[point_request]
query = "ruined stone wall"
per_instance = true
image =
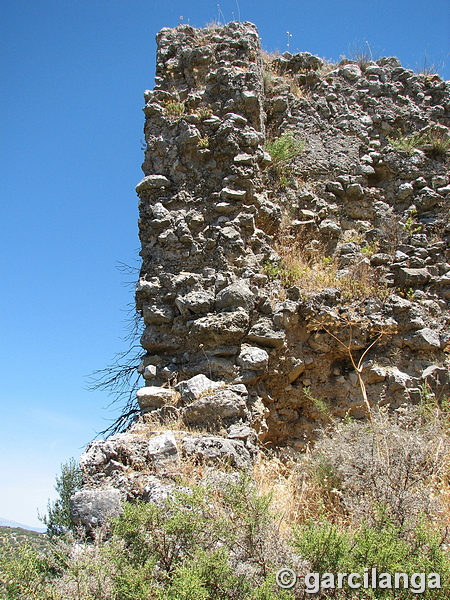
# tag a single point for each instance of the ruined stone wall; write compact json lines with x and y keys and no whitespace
{"x":274,"y":288}
{"x":216,"y":214}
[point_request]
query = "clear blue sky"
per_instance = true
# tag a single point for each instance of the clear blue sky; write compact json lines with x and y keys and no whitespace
{"x":72,"y":77}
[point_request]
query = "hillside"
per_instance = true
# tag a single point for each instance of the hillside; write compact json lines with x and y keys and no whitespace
{"x":17,"y":536}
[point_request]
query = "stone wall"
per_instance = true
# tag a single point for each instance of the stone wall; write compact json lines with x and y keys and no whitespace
{"x":215,"y":214}
{"x":277,"y":289}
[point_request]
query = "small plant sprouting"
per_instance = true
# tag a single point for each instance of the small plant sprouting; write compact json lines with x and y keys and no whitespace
{"x":174,"y":108}
{"x":435,"y":142}
{"x":410,"y":226}
{"x":283,"y":149}
{"x":409,"y":294}
{"x":405,"y":143}
{"x":204,"y":112}
{"x":271,"y":270}
{"x":320,"y":405}
{"x":268,"y":80}
{"x":203,"y":142}
{"x":371,"y":248}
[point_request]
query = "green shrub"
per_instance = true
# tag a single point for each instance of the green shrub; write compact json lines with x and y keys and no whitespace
{"x":330,"y":548}
{"x":174,"y":108}
{"x":24,"y":573}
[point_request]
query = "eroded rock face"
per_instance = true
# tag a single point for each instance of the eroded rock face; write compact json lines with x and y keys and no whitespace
{"x":234,"y":329}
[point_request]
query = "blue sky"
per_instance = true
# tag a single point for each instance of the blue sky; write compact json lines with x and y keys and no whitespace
{"x":72,"y":75}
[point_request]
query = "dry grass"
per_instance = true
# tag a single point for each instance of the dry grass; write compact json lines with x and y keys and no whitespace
{"x":400,"y":459}
{"x":312,"y":271}
{"x":300,"y":491}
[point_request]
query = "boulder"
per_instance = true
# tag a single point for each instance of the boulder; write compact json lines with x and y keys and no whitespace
{"x":154,"y":314}
{"x":198,"y":302}
{"x":424,"y":339}
{"x":223,"y":406}
{"x":411,"y":277}
{"x":218,"y":329}
{"x":162,"y":449}
{"x":264,"y":334}
{"x":253,"y":358}
{"x":235,"y":295}
{"x":152,"y":182}
{"x":92,"y":508}
{"x":350,"y":72}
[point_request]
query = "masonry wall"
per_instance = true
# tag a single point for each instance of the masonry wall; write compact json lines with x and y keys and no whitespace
{"x":216,"y":215}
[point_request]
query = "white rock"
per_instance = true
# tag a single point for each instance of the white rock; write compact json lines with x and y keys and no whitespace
{"x":350,"y":72}
{"x":152,"y":182}
{"x":192,"y":389}
{"x":253,"y":358}
{"x":152,"y":396}
{"x":163,"y":448}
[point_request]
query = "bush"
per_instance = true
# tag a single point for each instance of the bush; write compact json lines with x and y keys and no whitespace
{"x":175,"y":109}
{"x":330,"y":548}
{"x":435,"y":141}
{"x":24,"y":573}
{"x":219,"y":544}
{"x":395,"y":462}
{"x":367,"y":496}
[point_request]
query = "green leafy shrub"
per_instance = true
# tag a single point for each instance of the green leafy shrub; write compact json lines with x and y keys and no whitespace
{"x":331,"y":548}
{"x":201,"y":543}
{"x":24,"y":574}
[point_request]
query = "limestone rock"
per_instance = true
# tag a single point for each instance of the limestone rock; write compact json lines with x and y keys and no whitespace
{"x":253,"y":358}
{"x":152,"y":182}
{"x":217,"y":329}
{"x":163,"y":449}
{"x":412,"y":277}
{"x":264,"y":334}
{"x":91,"y":508}
{"x":194,"y":388}
{"x":217,"y":451}
{"x":424,"y":339}
{"x":196,"y":302}
{"x":222,"y":406}
{"x":350,"y":72}
{"x":154,"y":397}
{"x":154,"y":314}
{"x":235,"y":295}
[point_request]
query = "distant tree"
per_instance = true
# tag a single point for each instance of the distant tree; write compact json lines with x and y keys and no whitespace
{"x":57,"y":518}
